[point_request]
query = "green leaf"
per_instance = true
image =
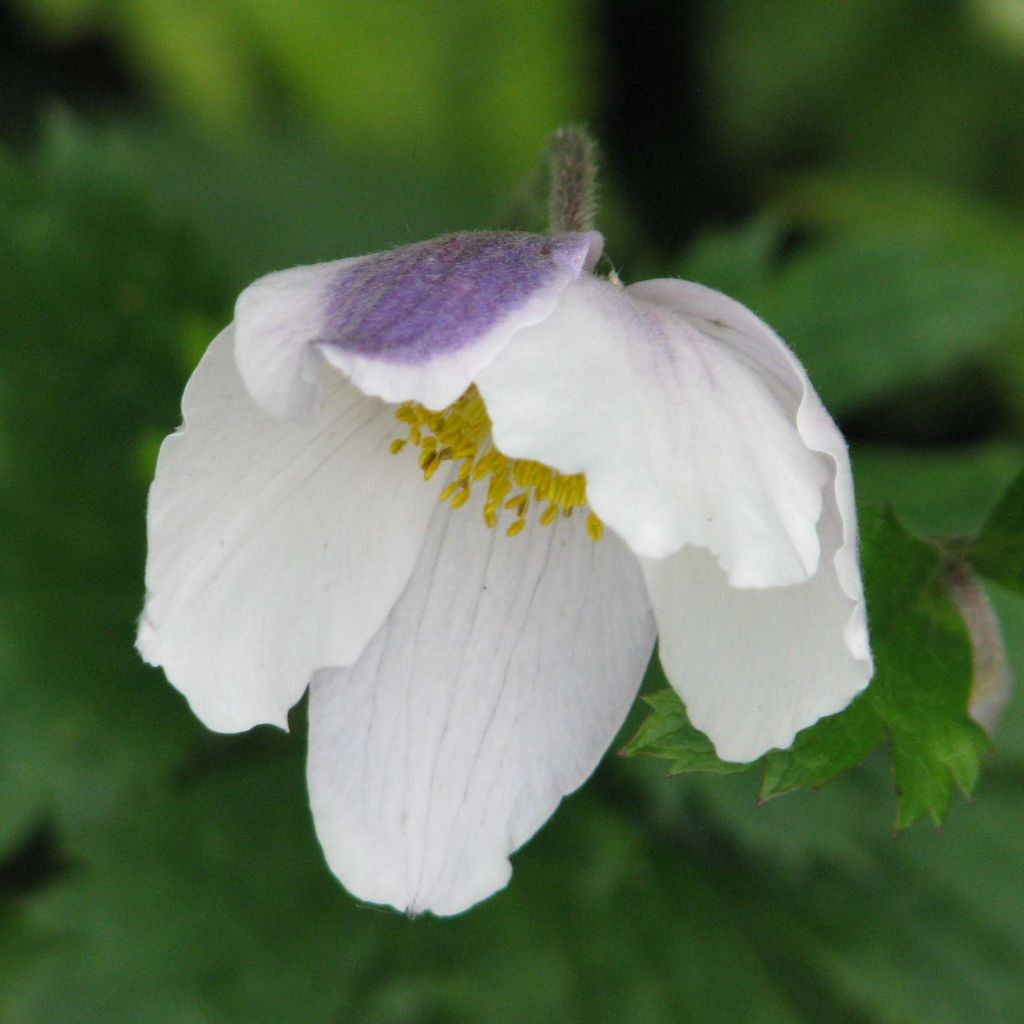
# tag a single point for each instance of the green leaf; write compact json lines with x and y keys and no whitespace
{"x":823,"y":751}
{"x":923,"y":670}
{"x":998,"y":550}
{"x":667,"y":733}
{"x":738,"y":261}
{"x":881,"y":205}
{"x":917,"y":699}
{"x":899,"y":310}
{"x":936,"y":492}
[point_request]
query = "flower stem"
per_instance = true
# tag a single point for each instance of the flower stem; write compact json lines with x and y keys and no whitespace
{"x":573,"y":165}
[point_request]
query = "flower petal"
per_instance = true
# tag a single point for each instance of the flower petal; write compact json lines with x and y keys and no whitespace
{"x":756,"y":666}
{"x":751,"y":339}
{"x":416,"y":323}
{"x":276,"y":319}
{"x":275,"y":548}
{"x":681,"y":438}
{"x":491,"y":692}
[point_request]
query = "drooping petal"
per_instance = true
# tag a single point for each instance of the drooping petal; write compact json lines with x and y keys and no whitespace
{"x":491,"y":692}
{"x":779,"y":369}
{"x":756,"y":666}
{"x":275,"y":548}
{"x":682,"y":440}
{"x":416,"y":323}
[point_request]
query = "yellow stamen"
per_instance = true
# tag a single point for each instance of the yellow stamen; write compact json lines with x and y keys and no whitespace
{"x":449,"y":490}
{"x":519,"y":504}
{"x":462,"y":433}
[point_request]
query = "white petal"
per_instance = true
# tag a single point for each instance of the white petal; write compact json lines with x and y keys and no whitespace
{"x":276,"y":318}
{"x":752,"y":339}
{"x":275,"y":548}
{"x":681,"y":439}
{"x":756,"y":666}
{"x":491,"y":691}
{"x":416,"y":323}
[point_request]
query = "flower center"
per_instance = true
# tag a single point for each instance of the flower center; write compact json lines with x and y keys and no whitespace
{"x":462,"y":433}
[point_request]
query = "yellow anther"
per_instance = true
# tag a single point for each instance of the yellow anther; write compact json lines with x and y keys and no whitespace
{"x":499,"y":488}
{"x":484,"y":465}
{"x":462,"y":433}
{"x":520,"y":503}
{"x":449,"y":490}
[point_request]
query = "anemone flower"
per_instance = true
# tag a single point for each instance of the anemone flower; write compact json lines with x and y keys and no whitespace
{"x":611,"y":462}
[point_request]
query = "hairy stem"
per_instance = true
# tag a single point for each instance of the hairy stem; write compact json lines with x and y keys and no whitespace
{"x":573,"y":166}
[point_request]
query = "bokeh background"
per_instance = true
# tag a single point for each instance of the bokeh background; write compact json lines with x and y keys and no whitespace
{"x":854,"y":171}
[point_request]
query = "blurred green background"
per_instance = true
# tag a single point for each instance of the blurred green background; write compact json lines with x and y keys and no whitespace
{"x":854,"y":171}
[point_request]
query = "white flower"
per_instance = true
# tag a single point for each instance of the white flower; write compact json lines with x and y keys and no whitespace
{"x":462,"y":680}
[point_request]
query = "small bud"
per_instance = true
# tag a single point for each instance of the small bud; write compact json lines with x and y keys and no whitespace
{"x":991,"y":680}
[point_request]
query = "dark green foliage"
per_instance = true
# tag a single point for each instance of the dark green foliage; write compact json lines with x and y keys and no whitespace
{"x":998,"y":551}
{"x":99,"y":293}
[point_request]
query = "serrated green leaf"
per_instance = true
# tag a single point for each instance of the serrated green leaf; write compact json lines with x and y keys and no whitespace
{"x":823,"y":751}
{"x":923,"y":670}
{"x":668,"y":734}
{"x":998,"y":551}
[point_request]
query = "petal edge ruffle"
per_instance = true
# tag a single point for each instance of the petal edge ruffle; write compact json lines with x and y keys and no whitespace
{"x":680,"y":440}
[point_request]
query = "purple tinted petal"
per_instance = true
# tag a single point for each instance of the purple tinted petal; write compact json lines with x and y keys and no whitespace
{"x":412,"y":304}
